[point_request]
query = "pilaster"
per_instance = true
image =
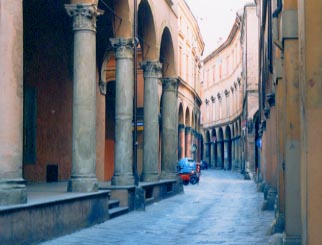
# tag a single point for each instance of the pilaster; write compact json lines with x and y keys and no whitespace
{"x":12,"y":186}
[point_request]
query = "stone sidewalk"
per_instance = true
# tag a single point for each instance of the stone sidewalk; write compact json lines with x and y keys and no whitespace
{"x":222,"y":209}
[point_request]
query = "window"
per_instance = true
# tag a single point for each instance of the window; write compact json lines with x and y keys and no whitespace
{"x":29,"y":124}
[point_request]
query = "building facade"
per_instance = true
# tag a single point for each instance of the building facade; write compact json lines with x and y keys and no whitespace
{"x":289,"y":120}
{"x":97,"y":93}
{"x":71,"y":71}
{"x":222,"y":96}
{"x":249,"y":43}
{"x":190,"y":49}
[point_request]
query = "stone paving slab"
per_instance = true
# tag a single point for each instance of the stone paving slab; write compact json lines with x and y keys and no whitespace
{"x":222,"y":209}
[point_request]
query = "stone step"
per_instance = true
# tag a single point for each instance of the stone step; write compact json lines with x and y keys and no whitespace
{"x":113,"y":203}
{"x":118,"y":211}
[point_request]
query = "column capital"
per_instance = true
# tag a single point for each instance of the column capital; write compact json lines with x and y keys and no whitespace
{"x":152,"y":69}
{"x":84,"y":16}
{"x":170,"y":84}
{"x":123,"y":47}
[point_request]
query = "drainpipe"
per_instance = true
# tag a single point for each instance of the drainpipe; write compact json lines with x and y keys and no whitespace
{"x":278,"y":10}
{"x":135,"y":143}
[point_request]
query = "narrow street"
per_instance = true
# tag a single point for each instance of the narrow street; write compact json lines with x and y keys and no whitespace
{"x":222,"y":209}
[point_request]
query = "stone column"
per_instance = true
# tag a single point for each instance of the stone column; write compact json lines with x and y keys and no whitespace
{"x":212,"y":162}
{"x":83,"y":177}
{"x":193,"y":144}
{"x":219,"y":154}
{"x":12,"y":185}
{"x":152,"y":74}
{"x":123,"y":173}
{"x":181,"y":131}
{"x":226,"y":152}
{"x":169,"y":127}
{"x":188,"y":141}
{"x":206,"y":152}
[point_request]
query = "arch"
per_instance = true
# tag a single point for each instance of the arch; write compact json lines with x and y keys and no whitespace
{"x":196,"y":122}
{"x":123,"y":21}
{"x":109,"y":129}
{"x":187,"y":118}
{"x":167,"y":57}
{"x":228,"y":148}
{"x":213,"y":162}
{"x":146,"y":31}
{"x":181,"y":115}
{"x":207,"y":147}
{"x":193,"y":122}
{"x":220,"y":149}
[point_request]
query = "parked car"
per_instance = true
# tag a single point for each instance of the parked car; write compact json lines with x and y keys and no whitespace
{"x":203,"y":165}
{"x":188,"y":170}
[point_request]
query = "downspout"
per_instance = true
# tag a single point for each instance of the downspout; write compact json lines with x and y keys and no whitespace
{"x":135,"y":143}
{"x":279,"y":8}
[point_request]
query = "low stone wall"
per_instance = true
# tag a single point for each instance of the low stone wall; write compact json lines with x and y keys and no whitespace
{"x":137,"y":197}
{"x":36,"y":222}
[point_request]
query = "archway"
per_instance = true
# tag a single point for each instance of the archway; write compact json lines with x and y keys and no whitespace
{"x":228,"y":148}
{"x":220,"y":150}
{"x":146,"y":32}
{"x":48,"y":91}
{"x":214,"y":153}
{"x":109,"y":130}
{"x":188,"y":138}
{"x":169,"y":155}
{"x":167,"y":54}
{"x":181,"y":133}
{"x":207,"y":147}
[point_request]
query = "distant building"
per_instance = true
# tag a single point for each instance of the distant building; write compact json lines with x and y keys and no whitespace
{"x":230,"y":96}
{"x":190,"y":49}
{"x":223,"y":90}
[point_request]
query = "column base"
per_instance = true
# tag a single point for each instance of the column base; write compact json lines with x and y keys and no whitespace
{"x":150,"y":177}
{"x":13,"y":192}
{"x":260,"y":186}
{"x":278,"y":223}
{"x":269,"y":202}
{"x":121,"y":180}
{"x":82,"y":184}
{"x":291,"y":240}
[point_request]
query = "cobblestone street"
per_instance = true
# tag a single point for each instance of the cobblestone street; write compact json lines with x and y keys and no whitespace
{"x":222,"y":209}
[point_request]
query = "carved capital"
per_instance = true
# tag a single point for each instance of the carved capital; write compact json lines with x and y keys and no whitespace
{"x":170,"y":84}
{"x":84,"y":16}
{"x":152,"y":69}
{"x":123,"y":47}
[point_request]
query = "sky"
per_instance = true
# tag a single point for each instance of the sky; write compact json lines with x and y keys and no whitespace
{"x":215,"y":19}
